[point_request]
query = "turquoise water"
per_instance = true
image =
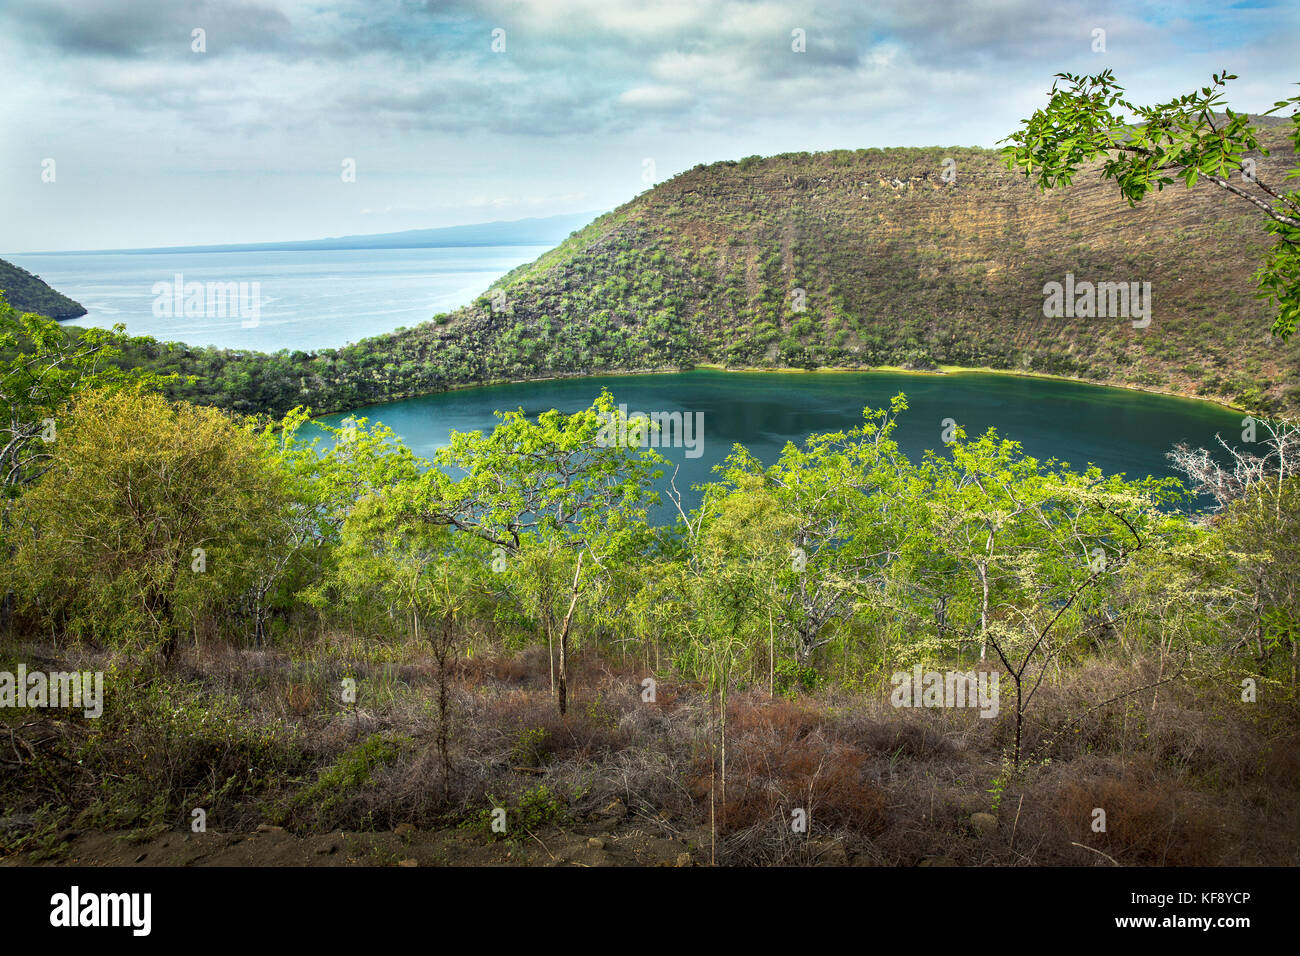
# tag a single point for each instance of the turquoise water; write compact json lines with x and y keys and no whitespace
{"x":1119,"y":430}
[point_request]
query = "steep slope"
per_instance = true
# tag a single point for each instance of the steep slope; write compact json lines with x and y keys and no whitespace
{"x":29,"y":293}
{"x":892,"y":264}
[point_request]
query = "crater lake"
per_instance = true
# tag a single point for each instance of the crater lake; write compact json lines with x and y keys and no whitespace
{"x":1119,"y":430}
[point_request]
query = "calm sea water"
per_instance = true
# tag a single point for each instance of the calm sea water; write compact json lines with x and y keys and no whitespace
{"x":1116,"y":429}
{"x":308,"y":300}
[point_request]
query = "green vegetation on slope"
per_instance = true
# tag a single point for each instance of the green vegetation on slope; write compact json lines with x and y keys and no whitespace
{"x":896,"y":265}
{"x":29,"y":293}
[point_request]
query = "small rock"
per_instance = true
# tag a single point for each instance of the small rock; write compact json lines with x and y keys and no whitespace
{"x":683,"y":859}
{"x":830,"y":853}
{"x":409,"y":862}
{"x":596,"y":843}
{"x":616,"y":812}
{"x":984,"y":822}
{"x":404,"y":829}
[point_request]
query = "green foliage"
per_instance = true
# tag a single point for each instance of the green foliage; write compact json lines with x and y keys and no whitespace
{"x":349,"y":773}
{"x":842,"y":557}
{"x":157,"y":511}
{"x":160,"y":749}
{"x":792,"y":679}
{"x":529,"y":747}
{"x":535,"y":809}
{"x":45,"y":842}
{"x":42,"y":368}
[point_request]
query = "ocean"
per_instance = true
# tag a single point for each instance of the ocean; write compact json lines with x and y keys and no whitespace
{"x":290,"y":299}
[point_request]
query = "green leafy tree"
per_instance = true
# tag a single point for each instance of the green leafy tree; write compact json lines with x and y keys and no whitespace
{"x":712,"y":594}
{"x":390,"y":557}
{"x":555,"y":498}
{"x":42,"y":367}
{"x":1029,"y":552}
{"x":836,"y":507}
{"x":158,"y":513}
{"x":1260,"y":537}
{"x":325,"y":476}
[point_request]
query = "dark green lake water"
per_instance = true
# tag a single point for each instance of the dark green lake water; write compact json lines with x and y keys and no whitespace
{"x":1118,"y":430}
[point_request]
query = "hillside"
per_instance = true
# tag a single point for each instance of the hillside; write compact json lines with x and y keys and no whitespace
{"x":897,"y":267}
{"x":29,"y":293}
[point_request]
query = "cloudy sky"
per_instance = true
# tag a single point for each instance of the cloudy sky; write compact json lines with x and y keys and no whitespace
{"x":154,"y":143}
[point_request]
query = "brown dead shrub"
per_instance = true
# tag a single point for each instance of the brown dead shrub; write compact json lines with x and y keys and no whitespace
{"x":780,"y":758}
{"x":300,"y":699}
{"x":1282,"y":761}
{"x":1148,"y":821}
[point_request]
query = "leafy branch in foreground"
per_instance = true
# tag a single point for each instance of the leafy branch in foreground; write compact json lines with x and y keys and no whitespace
{"x":1147,"y":147}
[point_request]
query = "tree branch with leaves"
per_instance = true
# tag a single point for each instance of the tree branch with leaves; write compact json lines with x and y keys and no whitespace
{"x":1145,"y":148}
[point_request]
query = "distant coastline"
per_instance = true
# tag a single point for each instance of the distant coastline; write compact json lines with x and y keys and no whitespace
{"x":548,"y":230}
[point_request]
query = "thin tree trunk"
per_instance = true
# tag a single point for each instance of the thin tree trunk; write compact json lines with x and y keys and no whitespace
{"x":984,"y":611}
{"x":1293,"y":663}
{"x":722,"y":709}
{"x":1160,"y":673}
{"x":1020,"y":722}
{"x":563,"y":688}
{"x":771,"y":657}
{"x":444,"y":651}
{"x":164,"y":617}
{"x":713,"y":805}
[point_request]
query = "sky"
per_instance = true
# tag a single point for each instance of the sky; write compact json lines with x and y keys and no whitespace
{"x":462,"y":111}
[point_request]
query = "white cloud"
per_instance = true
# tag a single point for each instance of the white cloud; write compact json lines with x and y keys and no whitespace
{"x":654,"y":97}
{"x":158,"y":145}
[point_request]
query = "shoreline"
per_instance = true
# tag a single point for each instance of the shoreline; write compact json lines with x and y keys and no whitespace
{"x":826,"y":369}
{"x":967,"y":369}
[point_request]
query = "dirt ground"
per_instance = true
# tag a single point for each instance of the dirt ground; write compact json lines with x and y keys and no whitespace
{"x":612,"y":840}
{"x":274,"y":847}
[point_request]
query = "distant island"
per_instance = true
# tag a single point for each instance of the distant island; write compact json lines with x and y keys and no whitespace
{"x":543,"y":231}
{"x":29,"y":293}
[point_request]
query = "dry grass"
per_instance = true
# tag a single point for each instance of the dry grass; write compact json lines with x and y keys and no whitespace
{"x":1191,"y":778}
